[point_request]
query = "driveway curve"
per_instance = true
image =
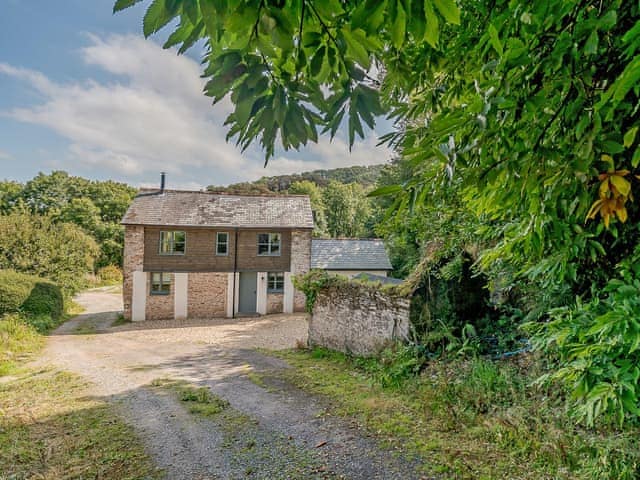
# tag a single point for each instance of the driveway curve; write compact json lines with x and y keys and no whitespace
{"x":278,"y":433}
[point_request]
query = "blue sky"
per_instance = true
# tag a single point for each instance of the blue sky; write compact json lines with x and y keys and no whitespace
{"x":81,"y":90}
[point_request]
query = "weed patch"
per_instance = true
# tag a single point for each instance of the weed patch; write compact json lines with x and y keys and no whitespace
{"x":198,"y":400}
{"x":468,"y":418}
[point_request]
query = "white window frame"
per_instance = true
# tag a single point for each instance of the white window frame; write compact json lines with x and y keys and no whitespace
{"x":270,"y":243}
{"x":165,"y":279}
{"x":273,"y":279}
{"x":172,"y":242}
{"x":226,"y":243}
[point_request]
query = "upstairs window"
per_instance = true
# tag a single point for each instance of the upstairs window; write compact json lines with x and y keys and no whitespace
{"x":275,"y":282}
{"x":172,"y":243}
{"x":160,"y":283}
{"x":222,"y":243}
{"x":269,"y":244}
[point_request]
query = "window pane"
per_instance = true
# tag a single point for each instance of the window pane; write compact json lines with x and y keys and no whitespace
{"x":155,"y":277}
{"x":275,"y":248}
{"x":263,"y":249}
{"x":263,"y":238}
{"x":275,"y":238}
{"x":164,"y":242}
{"x":179,"y":237}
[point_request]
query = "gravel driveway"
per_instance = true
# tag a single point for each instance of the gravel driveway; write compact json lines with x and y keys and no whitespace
{"x":285,"y":433}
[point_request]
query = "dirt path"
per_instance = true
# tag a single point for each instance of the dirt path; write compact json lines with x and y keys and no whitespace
{"x":277,"y":432}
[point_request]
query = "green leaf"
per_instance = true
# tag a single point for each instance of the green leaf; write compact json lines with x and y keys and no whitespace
{"x":190,"y":8}
{"x":123,"y":4}
{"x":355,"y":48}
{"x":494,"y":39}
{"x":398,"y":29}
{"x":432,"y":29}
{"x":157,"y":16}
{"x":386,"y":190}
{"x":449,"y":10}
{"x":635,"y":161}
{"x":630,"y":136}
{"x":591,"y":45}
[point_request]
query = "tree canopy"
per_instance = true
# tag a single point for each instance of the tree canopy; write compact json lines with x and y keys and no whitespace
{"x":529,"y":109}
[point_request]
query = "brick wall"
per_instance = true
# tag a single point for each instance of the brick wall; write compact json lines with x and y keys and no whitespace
{"x":207,"y":295}
{"x":275,"y":302}
{"x":300,"y":261}
{"x":132,"y":260}
{"x":358,"y":319}
{"x":160,"y":307}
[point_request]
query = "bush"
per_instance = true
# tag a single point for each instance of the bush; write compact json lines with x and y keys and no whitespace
{"x":110,"y":275}
{"x":29,"y":294}
{"x":37,"y":245}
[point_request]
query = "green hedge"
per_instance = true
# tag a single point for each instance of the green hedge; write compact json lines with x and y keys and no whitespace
{"x":29,"y":294}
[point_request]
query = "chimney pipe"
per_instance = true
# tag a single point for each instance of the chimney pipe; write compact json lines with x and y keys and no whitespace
{"x":163,"y":176}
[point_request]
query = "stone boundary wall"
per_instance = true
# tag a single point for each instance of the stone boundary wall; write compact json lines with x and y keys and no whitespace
{"x":358,"y":319}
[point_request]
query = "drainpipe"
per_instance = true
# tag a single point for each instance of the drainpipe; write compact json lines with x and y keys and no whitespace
{"x":235,"y":268}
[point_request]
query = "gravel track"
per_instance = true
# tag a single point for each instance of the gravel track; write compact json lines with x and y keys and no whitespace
{"x":270,"y":432}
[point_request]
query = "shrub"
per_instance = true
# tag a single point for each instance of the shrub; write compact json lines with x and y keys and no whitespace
{"x":597,"y":344}
{"x":37,"y":245}
{"x":29,"y":294}
{"x":110,"y":275}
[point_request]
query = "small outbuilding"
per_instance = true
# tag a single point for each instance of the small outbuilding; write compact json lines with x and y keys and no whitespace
{"x":350,"y":256}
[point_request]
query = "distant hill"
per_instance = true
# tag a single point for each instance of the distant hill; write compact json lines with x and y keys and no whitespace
{"x":366,"y":176}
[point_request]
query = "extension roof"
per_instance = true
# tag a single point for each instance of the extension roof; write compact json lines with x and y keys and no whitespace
{"x":180,"y":208}
{"x":349,"y":254}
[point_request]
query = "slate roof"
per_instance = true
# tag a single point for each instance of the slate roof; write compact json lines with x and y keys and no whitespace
{"x":349,"y":254}
{"x":203,"y":209}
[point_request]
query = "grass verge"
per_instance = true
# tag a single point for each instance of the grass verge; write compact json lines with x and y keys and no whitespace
{"x":471,"y":419}
{"x":50,"y":429}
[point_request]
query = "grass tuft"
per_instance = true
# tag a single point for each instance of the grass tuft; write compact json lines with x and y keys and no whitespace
{"x":467,"y":419}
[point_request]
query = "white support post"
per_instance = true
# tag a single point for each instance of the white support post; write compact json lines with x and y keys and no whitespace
{"x":236,"y":299}
{"x":261,"y":293}
{"x":139,"y":296}
{"x":287,"y":305}
{"x":181,"y":295}
{"x":229,"y":302}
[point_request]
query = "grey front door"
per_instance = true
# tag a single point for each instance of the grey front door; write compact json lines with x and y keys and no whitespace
{"x":248,"y":283}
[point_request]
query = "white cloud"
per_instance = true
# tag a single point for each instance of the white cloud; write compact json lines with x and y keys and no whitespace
{"x":5,"y":156}
{"x":153,"y":116}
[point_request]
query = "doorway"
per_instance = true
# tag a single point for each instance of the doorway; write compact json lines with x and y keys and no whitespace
{"x":247,"y":302}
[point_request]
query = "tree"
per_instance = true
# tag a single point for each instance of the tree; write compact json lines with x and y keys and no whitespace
{"x":9,"y":195}
{"x":347,"y":209}
{"x":532,"y":105}
{"x":306,"y":187}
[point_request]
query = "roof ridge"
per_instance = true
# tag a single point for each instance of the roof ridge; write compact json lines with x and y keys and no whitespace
{"x":225,"y":194}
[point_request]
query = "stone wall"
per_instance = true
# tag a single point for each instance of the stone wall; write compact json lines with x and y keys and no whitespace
{"x":275,"y":302}
{"x":133,"y":259}
{"x":358,"y":319}
{"x":160,"y":307}
{"x":207,"y":295}
{"x":300,"y":262}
